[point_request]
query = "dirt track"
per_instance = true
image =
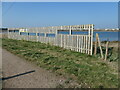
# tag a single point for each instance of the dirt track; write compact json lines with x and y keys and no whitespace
{"x":15,"y":66}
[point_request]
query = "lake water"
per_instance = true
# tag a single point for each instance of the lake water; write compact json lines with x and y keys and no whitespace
{"x":112,"y":36}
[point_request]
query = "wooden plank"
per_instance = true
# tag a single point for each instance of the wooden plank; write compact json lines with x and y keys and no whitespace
{"x":82,"y":44}
{"x":106,"y":53}
{"x":64,"y":41}
{"x":71,"y":39}
{"x":100,"y":46}
{"x":72,"y":43}
{"x":95,"y":49}
{"x":80,"y":41}
{"x":89,"y":36}
{"x":91,"y":39}
{"x":70,"y":30}
{"x":86,"y":44}
{"x":61,"y":40}
{"x":77,"y":44}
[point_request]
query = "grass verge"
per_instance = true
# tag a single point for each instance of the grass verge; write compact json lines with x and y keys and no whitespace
{"x":88,"y":71}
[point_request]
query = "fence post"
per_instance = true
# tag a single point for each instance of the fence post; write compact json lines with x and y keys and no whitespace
{"x":106,"y":54}
{"x":91,"y":38}
{"x":95,"y":49}
{"x":100,"y":46}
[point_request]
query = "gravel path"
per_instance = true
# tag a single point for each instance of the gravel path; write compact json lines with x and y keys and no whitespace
{"x":13,"y":65}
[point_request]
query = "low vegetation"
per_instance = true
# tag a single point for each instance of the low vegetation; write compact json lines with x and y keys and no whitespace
{"x":112,"y":50}
{"x":87,"y":71}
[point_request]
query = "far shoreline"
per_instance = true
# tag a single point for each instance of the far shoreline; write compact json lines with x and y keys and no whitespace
{"x":107,"y":31}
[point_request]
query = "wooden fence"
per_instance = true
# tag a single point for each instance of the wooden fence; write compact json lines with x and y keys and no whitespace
{"x":79,"y":43}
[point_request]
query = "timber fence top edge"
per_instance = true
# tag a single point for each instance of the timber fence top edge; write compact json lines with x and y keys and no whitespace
{"x":83,"y":25}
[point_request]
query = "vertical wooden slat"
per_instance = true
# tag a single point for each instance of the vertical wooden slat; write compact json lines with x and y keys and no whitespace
{"x":106,"y":53}
{"x":86,"y":44}
{"x":70,"y":30}
{"x":77,"y":44}
{"x":61,"y":40}
{"x":95,"y":49}
{"x":72,"y":42}
{"x":82,"y":44}
{"x":91,"y":39}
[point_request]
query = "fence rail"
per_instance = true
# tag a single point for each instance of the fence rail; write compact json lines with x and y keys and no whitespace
{"x":79,"y":43}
